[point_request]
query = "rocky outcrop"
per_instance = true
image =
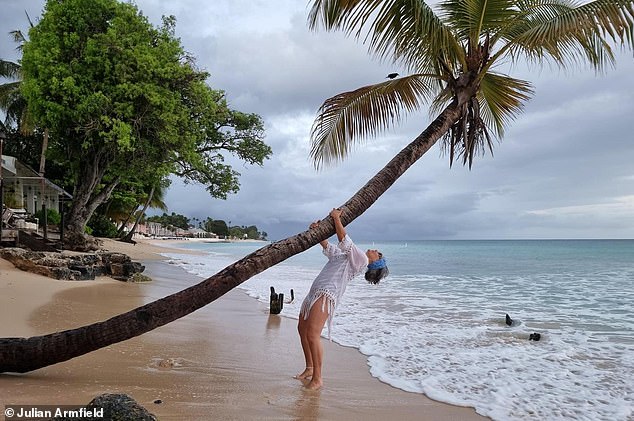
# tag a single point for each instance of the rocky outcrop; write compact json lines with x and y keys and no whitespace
{"x":112,"y":406}
{"x":74,"y":267}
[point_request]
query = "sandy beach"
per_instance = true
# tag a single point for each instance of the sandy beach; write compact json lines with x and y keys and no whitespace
{"x":230,"y":360}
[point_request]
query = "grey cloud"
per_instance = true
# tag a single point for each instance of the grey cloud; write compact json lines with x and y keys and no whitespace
{"x":283,"y":72}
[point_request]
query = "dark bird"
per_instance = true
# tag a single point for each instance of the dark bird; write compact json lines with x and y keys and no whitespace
{"x":534,"y":337}
{"x":509,"y":321}
{"x":392,"y":75}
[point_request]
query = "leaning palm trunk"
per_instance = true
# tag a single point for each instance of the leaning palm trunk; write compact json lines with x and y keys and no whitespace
{"x":125,"y":222}
{"x":128,"y":237}
{"x":27,"y":354}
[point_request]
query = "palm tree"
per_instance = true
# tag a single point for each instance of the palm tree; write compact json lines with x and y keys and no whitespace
{"x":452,"y":56}
{"x":11,"y":100}
{"x":452,"y":53}
{"x":124,"y":205}
{"x":154,"y":199}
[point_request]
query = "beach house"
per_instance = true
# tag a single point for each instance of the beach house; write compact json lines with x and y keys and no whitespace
{"x":23,"y":192}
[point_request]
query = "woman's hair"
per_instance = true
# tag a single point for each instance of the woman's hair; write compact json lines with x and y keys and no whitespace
{"x":373,"y":276}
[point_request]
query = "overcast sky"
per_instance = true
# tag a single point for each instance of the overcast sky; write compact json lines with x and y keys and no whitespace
{"x":565,"y":168}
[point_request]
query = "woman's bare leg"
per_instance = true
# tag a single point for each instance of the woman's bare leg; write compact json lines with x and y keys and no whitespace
{"x":315,"y":324}
{"x":302,"y":329}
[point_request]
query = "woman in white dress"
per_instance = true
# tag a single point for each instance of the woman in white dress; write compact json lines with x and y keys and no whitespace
{"x":345,"y":261}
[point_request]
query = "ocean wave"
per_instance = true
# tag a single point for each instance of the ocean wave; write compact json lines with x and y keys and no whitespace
{"x":446,"y":336}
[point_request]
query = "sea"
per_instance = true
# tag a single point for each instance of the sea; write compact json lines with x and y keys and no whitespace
{"x":437,"y":325}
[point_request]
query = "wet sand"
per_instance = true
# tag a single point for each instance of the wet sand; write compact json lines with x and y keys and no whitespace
{"x":230,"y":360}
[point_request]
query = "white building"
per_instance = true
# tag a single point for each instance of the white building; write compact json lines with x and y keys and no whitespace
{"x":25,"y":190}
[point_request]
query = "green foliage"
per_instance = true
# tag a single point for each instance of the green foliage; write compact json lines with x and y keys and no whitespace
{"x":98,"y":71}
{"x":123,"y":100}
{"x":250,"y":233}
{"x":101,"y":226}
{"x":52,"y":216}
{"x":12,"y":104}
{"x":173,"y":220}
{"x":126,"y":201}
{"x":11,"y":199}
{"x":218,"y":227}
{"x":26,"y":148}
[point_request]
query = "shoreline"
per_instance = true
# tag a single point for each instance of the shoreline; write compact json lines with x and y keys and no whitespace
{"x":229,"y":360}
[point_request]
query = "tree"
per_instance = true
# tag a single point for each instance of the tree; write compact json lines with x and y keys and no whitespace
{"x":24,"y":140}
{"x":9,"y":93}
{"x":173,"y":220}
{"x":461,"y":43}
{"x":120,"y":98}
{"x":251,"y":232}
{"x":218,"y":227}
{"x":11,"y":101}
{"x":154,"y":198}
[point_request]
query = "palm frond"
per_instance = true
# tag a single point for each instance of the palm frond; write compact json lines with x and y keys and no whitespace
{"x":8,"y":94}
{"x":569,"y":33}
{"x":9,"y":69}
{"x":18,"y":35}
{"x":13,"y":105}
{"x":469,"y":136}
{"x":498,"y":101}
{"x":501,"y":99}
{"x":404,"y":31}
{"x":350,"y":116}
{"x":19,"y":38}
{"x":472,"y":19}
{"x":158,"y":198}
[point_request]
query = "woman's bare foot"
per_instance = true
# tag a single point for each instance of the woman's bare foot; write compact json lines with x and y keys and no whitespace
{"x":314,"y":384}
{"x":306,"y":374}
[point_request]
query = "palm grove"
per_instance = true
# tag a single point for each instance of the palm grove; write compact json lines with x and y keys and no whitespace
{"x":124,"y":108}
{"x":452,"y":52}
{"x":210,"y":225}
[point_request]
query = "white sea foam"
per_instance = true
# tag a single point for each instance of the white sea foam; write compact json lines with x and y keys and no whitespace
{"x":445,"y":336}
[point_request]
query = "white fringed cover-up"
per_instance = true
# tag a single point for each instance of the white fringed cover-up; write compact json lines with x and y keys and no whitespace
{"x":345,"y":261}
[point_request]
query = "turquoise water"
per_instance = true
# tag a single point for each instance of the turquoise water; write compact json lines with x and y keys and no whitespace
{"x":436,"y":325}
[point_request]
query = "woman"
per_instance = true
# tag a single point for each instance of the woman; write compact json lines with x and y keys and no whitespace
{"x":345,"y":261}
